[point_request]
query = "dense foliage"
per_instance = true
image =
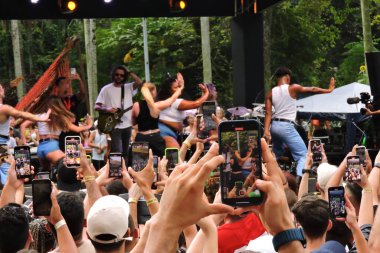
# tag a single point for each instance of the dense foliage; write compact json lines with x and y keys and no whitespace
{"x":315,"y":38}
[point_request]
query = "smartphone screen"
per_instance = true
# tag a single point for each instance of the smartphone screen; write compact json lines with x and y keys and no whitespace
{"x":22,"y":159}
{"x":115,"y":160}
{"x":201,"y":133}
{"x":172,"y":156}
{"x":239,"y":144}
{"x":337,"y":202}
{"x":41,"y":190}
{"x":155,"y":167}
{"x":208,"y":108}
{"x":360,"y":151}
{"x":316,"y":149}
{"x":43,"y":175}
{"x":72,"y":151}
{"x":353,"y":169}
{"x":312,"y":185}
{"x":140,"y":155}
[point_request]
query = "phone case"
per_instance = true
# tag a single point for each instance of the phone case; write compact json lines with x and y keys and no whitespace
{"x":41,"y":191}
{"x":172,"y":154}
{"x":22,"y":159}
{"x":337,"y":202}
{"x":353,"y":173}
{"x":72,"y":151}
{"x":140,"y":155}
{"x":115,"y":164}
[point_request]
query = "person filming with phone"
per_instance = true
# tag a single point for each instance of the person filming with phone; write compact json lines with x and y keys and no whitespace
{"x":279,"y":127}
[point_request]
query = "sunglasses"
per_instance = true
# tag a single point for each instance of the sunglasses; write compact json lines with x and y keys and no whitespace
{"x":121,"y":75}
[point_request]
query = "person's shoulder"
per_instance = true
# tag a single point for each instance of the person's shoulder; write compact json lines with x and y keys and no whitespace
{"x":107,"y":86}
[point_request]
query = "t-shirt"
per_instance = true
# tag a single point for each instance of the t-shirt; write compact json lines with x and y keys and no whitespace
{"x":366,"y":230}
{"x":232,"y":236}
{"x":85,"y":247}
{"x":172,"y":113}
{"x":110,"y":96}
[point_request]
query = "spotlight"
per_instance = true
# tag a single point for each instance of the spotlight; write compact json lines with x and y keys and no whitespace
{"x":34,"y":1}
{"x":67,"y":6}
{"x":107,"y":1}
{"x":177,"y":5}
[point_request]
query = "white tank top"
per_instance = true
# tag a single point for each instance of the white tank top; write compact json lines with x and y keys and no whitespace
{"x":284,"y":105}
{"x":172,"y":113}
{"x":4,"y":127}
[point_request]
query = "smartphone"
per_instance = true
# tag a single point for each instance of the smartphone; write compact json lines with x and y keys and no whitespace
{"x":360,"y":151}
{"x":207,"y":109}
{"x":140,"y":155}
{"x":22,"y":159}
{"x":353,"y":173}
{"x":337,"y":202}
{"x":240,"y":138}
{"x":115,"y":161}
{"x":172,"y":156}
{"x":155,"y":167}
{"x":316,"y":150}
{"x":312,"y":185}
{"x":201,"y":133}
{"x":72,"y":151}
{"x":43,"y":175}
{"x":41,"y":190}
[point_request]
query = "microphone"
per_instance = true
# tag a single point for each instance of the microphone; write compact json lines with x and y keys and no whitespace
{"x":354,"y":100}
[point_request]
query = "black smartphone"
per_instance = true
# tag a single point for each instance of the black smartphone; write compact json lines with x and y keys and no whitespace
{"x":22,"y":159}
{"x":360,"y":151}
{"x":41,"y":190}
{"x":201,"y":133}
{"x":316,"y":150}
{"x":172,"y":156}
{"x":72,"y":151}
{"x":43,"y":175}
{"x":337,"y":202}
{"x":140,"y":155}
{"x":353,"y":173}
{"x":239,"y":139}
{"x":312,"y":185}
{"x":207,"y":109}
{"x":115,"y":161}
{"x":155,"y":167}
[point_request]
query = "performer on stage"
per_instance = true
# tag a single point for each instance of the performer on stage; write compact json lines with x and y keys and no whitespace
{"x":6,"y":112}
{"x":109,"y":100}
{"x":279,"y":127}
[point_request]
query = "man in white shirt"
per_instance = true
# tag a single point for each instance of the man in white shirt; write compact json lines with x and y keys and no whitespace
{"x":109,"y":100}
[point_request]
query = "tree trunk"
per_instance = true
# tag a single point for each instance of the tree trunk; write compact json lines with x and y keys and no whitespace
{"x":206,"y":50}
{"x":267,"y":49}
{"x":16,"y":42}
{"x":92,"y":72}
{"x":366,"y":22}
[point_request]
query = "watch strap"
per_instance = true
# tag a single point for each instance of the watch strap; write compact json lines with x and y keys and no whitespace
{"x":287,"y":236}
{"x":306,"y":171}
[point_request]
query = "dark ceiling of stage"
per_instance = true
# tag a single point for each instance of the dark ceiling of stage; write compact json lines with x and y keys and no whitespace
{"x":47,"y":9}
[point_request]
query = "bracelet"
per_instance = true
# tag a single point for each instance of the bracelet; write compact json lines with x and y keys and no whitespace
{"x":187,"y":143}
{"x":369,"y":189}
{"x":88,"y":179}
{"x":132,"y":200}
{"x":59,"y":224}
{"x":151,"y":201}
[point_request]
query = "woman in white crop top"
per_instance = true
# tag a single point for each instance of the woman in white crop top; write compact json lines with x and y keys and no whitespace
{"x":171,"y":118}
{"x":48,"y":151}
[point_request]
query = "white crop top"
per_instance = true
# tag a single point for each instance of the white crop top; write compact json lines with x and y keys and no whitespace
{"x":284,"y":105}
{"x":172,"y":113}
{"x":44,"y":129}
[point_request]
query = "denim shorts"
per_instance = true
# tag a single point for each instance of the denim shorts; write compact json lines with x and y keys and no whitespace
{"x":166,"y":131}
{"x":46,"y":147}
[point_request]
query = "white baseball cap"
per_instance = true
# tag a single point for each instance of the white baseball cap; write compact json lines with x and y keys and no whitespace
{"x":325,"y":172}
{"x":108,"y":216}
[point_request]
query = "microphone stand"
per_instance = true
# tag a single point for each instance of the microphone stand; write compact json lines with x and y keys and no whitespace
{"x":363,"y":133}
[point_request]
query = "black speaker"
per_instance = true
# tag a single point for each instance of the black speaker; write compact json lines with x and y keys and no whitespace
{"x":373,"y":69}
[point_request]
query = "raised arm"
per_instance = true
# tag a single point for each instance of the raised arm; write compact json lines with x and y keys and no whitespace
{"x":167,"y":102}
{"x":23,"y":127}
{"x":268,"y":116}
{"x":153,"y":109}
{"x":316,"y":90}
{"x":137,"y":81}
{"x":10,"y":111}
{"x":79,"y":129}
{"x":187,"y":104}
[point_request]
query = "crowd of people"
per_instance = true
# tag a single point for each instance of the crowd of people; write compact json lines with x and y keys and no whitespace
{"x":167,"y":207}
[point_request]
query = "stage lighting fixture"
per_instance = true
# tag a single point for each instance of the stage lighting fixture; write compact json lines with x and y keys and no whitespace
{"x":67,"y":6}
{"x":34,"y":1}
{"x":177,"y":5}
{"x":107,"y":1}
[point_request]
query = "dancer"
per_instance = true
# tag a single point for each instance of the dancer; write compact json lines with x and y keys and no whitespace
{"x":145,"y":114}
{"x":6,"y":112}
{"x":279,"y":127}
{"x":48,"y":151}
{"x":171,"y":118}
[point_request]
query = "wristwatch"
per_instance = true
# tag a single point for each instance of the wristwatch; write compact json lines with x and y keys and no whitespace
{"x":287,"y":236}
{"x":306,"y":171}
{"x":377,"y":165}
